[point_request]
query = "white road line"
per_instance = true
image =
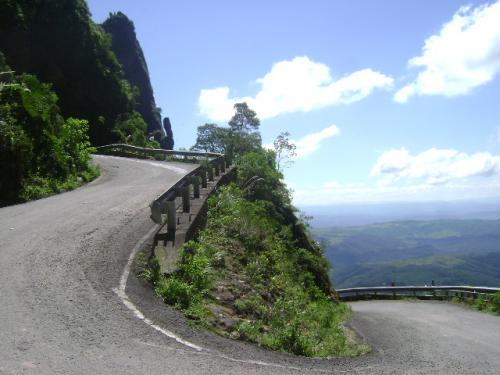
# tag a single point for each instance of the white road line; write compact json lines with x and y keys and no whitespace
{"x":120,"y":291}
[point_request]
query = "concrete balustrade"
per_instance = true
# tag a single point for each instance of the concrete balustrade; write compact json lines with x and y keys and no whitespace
{"x":181,"y":210}
{"x":203,"y":175}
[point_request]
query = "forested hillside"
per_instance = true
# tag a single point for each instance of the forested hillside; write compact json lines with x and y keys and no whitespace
{"x":414,"y":253}
{"x":40,"y":151}
{"x":58,"y":66}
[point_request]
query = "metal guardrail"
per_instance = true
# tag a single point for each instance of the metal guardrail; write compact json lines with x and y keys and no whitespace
{"x":425,"y":292}
{"x":165,"y":204}
{"x":124,"y":148}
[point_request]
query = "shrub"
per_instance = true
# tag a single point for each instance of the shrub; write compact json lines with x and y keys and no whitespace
{"x":495,"y":303}
{"x":40,"y":152}
{"x":177,"y":292}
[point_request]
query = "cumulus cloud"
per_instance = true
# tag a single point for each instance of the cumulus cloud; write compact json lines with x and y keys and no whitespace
{"x":297,"y":85}
{"x":464,"y":55}
{"x":434,"y":166}
{"x":311,"y":142}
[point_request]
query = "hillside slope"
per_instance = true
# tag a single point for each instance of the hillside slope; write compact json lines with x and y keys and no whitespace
{"x":414,"y":252}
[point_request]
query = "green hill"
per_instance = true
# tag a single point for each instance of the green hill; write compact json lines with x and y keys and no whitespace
{"x":414,"y":252}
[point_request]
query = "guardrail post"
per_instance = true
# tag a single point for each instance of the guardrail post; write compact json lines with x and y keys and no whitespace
{"x":185,"y":199}
{"x":217,"y":172}
{"x":171,"y":213}
{"x":196,"y":186}
{"x":156,"y":212}
{"x":203,"y":175}
{"x":210,"y":173}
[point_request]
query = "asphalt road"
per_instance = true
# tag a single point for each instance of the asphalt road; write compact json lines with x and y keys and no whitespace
{"x":64,"y":308}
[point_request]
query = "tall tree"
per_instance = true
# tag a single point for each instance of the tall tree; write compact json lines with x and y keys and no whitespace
{"x":285,"y":150}
{"x":243,"y":136}
{"x":211,"y":138}
{"x":244,"y":120}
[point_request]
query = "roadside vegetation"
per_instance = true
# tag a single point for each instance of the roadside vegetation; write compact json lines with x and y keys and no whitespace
{"x":40,"y":152}
{"x":62,"y":89}
{"x":490,"y":304}
{"x":254,"y":273}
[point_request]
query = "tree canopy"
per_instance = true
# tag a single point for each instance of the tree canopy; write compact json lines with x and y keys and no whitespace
{"x":211,"y":138}
{"x":40,"y":151}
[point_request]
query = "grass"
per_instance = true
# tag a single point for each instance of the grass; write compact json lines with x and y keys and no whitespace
{"x":489,"y":304}
{"x":37,"y":187}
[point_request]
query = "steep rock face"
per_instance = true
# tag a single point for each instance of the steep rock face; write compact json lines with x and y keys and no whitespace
{"x":129,"y":53}
{"x":167,"y":142}
{"x":57,"y":41}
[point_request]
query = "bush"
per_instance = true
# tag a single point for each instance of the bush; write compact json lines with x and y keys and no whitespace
{"x":495,"y":303}
{"x":177,"y":292}
{"x":40,"y":152}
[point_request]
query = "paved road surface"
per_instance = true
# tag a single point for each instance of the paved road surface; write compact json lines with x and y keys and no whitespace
{"x":61,"y":259}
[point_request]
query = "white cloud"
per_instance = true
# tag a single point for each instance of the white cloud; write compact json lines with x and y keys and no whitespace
{"x":311,"y":142}
{"x":297,"y":85}
{"x":337,"y":193}
{"x":434,"y":166}
{"x":464,"y":55}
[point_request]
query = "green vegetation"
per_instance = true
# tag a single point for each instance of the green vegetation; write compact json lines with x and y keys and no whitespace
{"x":40,"y":152}
{"x":57,"y":43}
{"x":253,"y":273}
{"x":490,"y":303}
{"x":450,"y":252}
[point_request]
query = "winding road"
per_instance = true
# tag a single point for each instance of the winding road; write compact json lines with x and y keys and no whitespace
{"x":70,"y":302}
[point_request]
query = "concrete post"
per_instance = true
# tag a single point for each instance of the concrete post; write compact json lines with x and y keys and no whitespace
{"x":210,"y":173}
{"x":171,"y":222}
{"x":156,"y":212}
{"x":217,"y":172}
{"x":203,"y":175}
{"x":222,"y":165}
{"x":196,"y":186}
{"x":185,"y":199}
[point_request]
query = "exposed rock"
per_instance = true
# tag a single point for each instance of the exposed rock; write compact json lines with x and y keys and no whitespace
{"x":58,"y":42}
{"x":167,"y":142}
{"x":130,"y":55}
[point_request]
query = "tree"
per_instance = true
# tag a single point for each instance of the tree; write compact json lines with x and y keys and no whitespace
{"x":244,"y":120}
{"x":211,"y":138}
{"x":285,"y":150}
{"x":243,"y":133}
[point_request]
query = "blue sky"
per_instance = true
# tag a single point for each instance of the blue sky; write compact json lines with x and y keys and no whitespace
{"x":386,"y":100}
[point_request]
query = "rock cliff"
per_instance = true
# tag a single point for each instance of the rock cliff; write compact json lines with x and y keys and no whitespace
{"x":130,"y":55}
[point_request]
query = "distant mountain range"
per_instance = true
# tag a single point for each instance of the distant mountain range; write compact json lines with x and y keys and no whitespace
{"x":415,"y":252}
{"x":369,"y":213}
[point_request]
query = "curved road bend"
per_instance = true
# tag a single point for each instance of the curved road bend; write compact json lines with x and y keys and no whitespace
{"x":62,"y":257}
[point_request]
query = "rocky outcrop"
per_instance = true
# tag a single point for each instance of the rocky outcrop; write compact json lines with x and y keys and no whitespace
{"x":59,"y":43}
{"x":129,"y":53}
{"x":167,"y":142}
